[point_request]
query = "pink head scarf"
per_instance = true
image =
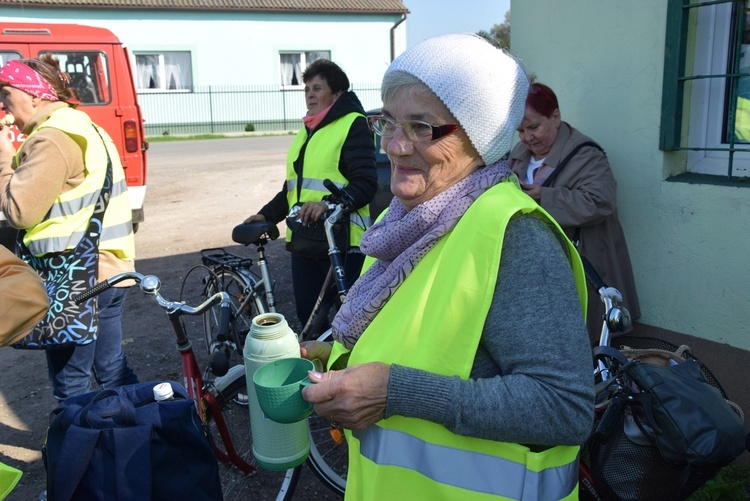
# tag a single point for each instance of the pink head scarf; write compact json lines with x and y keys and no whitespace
{"x":22,"y":77}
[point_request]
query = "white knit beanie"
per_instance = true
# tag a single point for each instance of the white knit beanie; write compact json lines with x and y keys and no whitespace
{"x":483,"y":86}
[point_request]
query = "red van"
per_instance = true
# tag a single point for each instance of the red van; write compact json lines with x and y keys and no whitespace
{"x":99,"y":67}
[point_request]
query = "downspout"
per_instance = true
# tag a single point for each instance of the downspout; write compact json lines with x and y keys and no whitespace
{"x":393,"y":37}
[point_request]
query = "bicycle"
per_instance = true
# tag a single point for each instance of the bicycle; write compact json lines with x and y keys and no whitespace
{"x":251,"y":294}
{"x":619,"y":459}
{"x":227,"y":422}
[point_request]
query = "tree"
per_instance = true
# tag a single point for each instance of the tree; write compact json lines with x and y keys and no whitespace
{"x":499,"y":34}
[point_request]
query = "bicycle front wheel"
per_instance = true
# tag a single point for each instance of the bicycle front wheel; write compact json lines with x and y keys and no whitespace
{"x":242,"y":478}
{"x":246,"y":305}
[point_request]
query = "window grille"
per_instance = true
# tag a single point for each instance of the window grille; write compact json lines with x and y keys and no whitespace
{"x":686,"y":37}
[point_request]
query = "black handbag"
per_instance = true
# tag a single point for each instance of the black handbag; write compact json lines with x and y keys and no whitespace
{"x":669,"y":426}
{"x":66,"y":274}
{"x":309,"y":241}
{"x":690,"y":419}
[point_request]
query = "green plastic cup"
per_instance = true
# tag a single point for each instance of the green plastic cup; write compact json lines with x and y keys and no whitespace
{"x":9,"y":477}
{"x":278,"y":386}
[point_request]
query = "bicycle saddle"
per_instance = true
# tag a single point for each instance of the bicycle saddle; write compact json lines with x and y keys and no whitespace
{"x":252,"y":233}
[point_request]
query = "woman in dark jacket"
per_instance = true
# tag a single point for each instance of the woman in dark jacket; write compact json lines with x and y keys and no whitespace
{"x":335,"y":143}
{"x":582,"y":196}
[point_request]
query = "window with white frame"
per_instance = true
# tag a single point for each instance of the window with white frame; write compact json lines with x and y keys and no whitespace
{"x":293,"y":64}
{"x":164,"y":71}
{"x":708,"y":91}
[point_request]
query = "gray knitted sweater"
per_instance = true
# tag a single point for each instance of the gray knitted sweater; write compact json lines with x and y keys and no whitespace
{"x":532,"y":379}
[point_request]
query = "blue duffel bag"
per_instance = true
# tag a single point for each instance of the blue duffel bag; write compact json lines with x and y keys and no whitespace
{"x":122,"y":444}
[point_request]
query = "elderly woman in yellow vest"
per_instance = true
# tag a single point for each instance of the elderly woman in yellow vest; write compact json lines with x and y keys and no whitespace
{"x":337,"y":144}
{"x":46,"y":189}
{"x":461,"y":367}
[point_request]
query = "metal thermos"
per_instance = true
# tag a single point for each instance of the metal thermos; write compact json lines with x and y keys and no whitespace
{"x":276,"y":446}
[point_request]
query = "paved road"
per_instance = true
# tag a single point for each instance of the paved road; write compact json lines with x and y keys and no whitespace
{"x":197,"y":192}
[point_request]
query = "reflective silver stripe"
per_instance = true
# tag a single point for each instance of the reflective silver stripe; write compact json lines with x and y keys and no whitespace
{"x":59,"y":244}
{"x":317,"y":185}
{"x":310,"y":184}
{"x":116,"y":231}
{"x":472,"y":471}
{"x":70,"y":207}
{"x":360,"y":220}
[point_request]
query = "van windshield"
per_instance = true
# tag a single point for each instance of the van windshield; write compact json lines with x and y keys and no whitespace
{"x":89,"y":74}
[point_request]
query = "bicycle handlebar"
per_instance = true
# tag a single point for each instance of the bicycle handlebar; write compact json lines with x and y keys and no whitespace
{"x":339,"y":195}
{"x":150,"y":285}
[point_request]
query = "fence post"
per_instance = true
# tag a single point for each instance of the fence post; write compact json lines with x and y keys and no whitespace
{"x":211,"y":108}
{"x":283,"y":105}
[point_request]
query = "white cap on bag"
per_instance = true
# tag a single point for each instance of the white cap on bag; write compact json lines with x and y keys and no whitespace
{"x":163,"y":391}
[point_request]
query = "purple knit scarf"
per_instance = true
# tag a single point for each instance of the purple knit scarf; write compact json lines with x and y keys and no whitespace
{"x":399,"y":241}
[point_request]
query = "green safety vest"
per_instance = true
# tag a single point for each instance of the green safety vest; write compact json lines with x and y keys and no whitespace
{"x":321,"y":162}
{"x":434,"y":322}
{"x":66,"y":222}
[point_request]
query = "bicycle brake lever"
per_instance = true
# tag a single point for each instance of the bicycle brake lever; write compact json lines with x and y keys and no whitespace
{"x":339,"y":194}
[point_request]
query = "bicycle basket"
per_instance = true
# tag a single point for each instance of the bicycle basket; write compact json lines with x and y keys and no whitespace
{"x":628,"y":465}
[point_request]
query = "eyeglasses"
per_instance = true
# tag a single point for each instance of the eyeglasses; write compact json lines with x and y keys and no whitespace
{"x":415,"y":130}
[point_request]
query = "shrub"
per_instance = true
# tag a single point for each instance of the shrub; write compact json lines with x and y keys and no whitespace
{"x":249,"y":127}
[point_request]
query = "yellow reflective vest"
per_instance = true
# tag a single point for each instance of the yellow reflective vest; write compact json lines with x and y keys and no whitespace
{"x":320,"y":162}
{"x":450,"y":292}
{"x":68,"y":218}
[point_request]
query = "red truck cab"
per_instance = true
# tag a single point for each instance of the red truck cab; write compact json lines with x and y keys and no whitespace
{"x":99,"y":67}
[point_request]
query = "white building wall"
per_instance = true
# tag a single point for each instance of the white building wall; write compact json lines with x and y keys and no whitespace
{"x":242,"y":48}
{"x":688,"y":242}
{"x":233,"y":48}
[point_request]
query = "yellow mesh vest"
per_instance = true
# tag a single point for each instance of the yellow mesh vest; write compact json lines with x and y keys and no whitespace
{"x":450,"y":293}
{"x":322,"y":162}
{"x":69,"y":216}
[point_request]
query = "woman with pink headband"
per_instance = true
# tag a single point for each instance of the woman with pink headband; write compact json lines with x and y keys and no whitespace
{"x":48,"y":190}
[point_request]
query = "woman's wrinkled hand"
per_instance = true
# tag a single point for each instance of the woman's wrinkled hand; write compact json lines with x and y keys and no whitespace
{"x":353,"y":398}
{"x":310,"y":212}
{"x":532,"y":190}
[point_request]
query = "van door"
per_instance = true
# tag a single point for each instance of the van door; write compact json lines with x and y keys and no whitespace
{"x":100,"y":71}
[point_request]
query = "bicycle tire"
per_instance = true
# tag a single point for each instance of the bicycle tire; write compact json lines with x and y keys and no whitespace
{"x":260,"y":484}
{"x":329,"y":453}
{"x":236,"y":285}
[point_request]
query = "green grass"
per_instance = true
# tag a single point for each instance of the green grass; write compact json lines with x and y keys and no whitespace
{"x":730,"y":484}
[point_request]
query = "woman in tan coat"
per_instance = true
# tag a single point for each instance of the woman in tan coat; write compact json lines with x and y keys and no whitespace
{"x":581,"y":195}
{"x":49,"y":189}
{"x":23,"y":298}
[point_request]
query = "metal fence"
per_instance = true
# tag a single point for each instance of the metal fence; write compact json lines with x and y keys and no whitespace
{"x":225,"y":109}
